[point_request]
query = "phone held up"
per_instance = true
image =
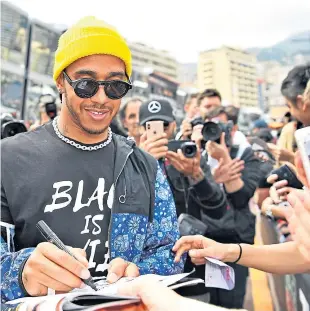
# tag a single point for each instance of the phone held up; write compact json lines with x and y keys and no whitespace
{"x":154,"y":128}
{"x":303,"y":142}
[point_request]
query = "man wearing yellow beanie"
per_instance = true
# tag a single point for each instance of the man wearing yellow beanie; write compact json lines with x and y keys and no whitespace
{"x":97,"y":191}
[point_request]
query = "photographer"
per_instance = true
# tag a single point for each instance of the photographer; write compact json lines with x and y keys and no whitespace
{"x":238,"y":223}
{"x":201,"y":194}
{"x":47,"y":110}
{"x":205,"y":102}
{"x":195,"y":192}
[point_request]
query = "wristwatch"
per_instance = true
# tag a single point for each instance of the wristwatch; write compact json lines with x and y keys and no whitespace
{"x":269,"y":213}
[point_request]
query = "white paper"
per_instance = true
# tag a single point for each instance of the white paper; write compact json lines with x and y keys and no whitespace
{"x":303,"y":301}
{"x":104,"y":287}
{"x":219,"y":275}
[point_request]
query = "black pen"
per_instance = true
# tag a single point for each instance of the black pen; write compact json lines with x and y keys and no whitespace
{"x":51,"y":237}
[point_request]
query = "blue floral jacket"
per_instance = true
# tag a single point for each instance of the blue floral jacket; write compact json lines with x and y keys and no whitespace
{"x":133,"y":238}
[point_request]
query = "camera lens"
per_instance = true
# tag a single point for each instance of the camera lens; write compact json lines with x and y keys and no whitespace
{"x":189,"y":149}
{"x":12,"y":128}
{"x":211,"y":131}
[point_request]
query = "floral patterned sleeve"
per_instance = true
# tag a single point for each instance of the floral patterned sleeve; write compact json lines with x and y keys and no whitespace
{"x":11,"y":264}
{"x":163,"y":232}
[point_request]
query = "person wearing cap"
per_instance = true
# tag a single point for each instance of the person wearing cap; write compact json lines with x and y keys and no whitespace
{"x":98,"y":192}
{"x":205,"y":199}
{"x":197,"y":172}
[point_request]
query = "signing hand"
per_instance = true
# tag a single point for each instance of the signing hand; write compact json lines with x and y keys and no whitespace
{"x":119,"y":268}
{"x":227,"y":172}
{"x":156,"y":146}
{"x":218,"y":151}
{"x":50,"y":267}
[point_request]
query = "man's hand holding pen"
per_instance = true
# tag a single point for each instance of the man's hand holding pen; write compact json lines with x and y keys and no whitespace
{"x":50,"y":267}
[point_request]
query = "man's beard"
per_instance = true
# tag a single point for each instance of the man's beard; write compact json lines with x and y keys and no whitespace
{"x":77,"y":121}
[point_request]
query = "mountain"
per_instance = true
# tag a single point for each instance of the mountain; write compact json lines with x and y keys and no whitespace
{"x":284,"y":51}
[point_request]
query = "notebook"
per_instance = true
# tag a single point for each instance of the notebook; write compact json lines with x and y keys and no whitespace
{"x":105,"y":298}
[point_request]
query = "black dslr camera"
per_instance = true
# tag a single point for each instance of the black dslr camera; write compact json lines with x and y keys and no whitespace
{"x":213,"y":131}
{"x":10,"y":126}
{"x":197,"y":121}
{"x":188,"y":147}
{"x":49,"y":101}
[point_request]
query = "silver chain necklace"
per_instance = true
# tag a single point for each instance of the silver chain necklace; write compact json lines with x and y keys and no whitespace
{"x":79,"y":146}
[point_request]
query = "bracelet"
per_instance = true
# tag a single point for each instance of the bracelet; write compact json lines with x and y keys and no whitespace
{"x":240,"y":254}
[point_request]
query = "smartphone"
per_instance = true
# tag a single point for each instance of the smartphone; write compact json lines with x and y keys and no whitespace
{"x":303,"y":142}
{"x":154,"y":128}
{"x":285,"y":173}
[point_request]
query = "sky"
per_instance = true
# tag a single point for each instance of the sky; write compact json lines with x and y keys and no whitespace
{"x":184,"y":28}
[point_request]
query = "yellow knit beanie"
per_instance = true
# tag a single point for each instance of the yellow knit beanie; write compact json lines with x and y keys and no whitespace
{"x":90,"y":36}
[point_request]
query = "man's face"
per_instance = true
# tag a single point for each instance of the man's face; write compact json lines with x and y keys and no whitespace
{"x":92,"y":115}
{"x":300,"y":111}
{"x":131,"y":121}
{"x":209,"y":103}
{"x":169,"y":129}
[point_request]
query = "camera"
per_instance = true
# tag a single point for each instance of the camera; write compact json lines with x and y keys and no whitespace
{"x":51,"y":110}
{"x":49,"y":102}
{"x":213,"y":131}
{"x":285,"y":173}
{"x":11,"y":127}
{"x":188,"y":148}
{"x":197,"y":121}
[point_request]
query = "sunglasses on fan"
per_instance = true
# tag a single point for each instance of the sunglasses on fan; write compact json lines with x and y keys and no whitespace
{"x":87,"y":87}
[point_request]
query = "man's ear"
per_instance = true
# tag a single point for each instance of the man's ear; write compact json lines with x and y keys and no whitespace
{"x":60,"y":83}
{"x":300,"y":103}
{"x":174,"y":126}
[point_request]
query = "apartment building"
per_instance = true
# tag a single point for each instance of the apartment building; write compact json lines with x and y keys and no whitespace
{"x":231,"y":71}
{"x":144,"y":56}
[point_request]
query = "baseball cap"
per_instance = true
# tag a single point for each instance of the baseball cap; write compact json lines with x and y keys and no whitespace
{"x":160,"y":110}
{"x":260,"y":124}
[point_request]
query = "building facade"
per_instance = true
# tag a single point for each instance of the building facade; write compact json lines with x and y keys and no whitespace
{"x":144,"y":56}
{"x":232,"y":72}
{"x":25,"y":43}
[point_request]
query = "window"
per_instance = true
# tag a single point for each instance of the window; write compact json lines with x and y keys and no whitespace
{"x":14,"y":32}
{"x":43,"y":47}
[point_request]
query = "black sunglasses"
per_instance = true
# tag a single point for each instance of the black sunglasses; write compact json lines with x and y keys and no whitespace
{"x":86,"y":87}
